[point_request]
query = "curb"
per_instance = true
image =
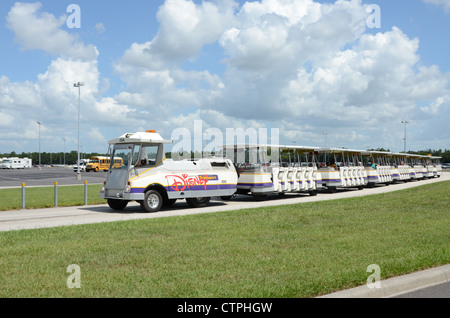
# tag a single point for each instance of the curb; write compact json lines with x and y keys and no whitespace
{"x":398,"y":285}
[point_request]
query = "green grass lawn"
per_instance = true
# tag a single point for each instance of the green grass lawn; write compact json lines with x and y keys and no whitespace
{"x":43,"y":197}
{"x":302,"y":250}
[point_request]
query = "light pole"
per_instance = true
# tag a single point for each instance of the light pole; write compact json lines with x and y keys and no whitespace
{"x":325,"y":134}
{"x":39,"y":123}
{"x":404,"y":139}
{"x":64,"y":139}
{"x":78,"y":85}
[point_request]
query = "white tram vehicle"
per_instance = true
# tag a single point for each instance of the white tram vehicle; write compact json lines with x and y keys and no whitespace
{"x":378,"y":167}
{"x":401,"y":171}
{"x":420,"y":169}
{"x":436,"y":166}
{"x":296,"y":172}
{"x":151,"y":179}
{"x":342,"y":168}
{"x":317,"y":168}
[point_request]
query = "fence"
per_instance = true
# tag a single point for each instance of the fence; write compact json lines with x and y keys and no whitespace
{"x":55,"y":194}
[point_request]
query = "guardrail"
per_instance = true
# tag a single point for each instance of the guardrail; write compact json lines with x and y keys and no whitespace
{"x":55,"y":194}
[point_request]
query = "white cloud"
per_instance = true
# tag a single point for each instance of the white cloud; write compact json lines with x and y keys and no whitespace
{"x":444,"y":3}
{"x":100,"y":28}
{"x":295,"y":64}
{"x":186,"y":27}
{"x":110,"y":111}
{"x":42,"y":31}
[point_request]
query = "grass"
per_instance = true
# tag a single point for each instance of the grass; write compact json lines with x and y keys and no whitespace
{"x":43,"y":197}
{"x":302,"y":250}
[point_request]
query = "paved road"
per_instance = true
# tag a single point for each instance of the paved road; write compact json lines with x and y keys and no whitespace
{"x":436,"y":291}
{"x":430,"y":283}
{"x":47,"y":177}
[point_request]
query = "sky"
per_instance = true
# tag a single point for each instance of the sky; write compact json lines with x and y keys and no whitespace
{"x":335,"y":73}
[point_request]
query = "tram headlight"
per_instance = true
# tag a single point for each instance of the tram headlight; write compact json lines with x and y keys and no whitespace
{"x":128,"y":187}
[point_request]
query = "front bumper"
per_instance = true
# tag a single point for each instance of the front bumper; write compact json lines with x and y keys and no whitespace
{"x":120,"y":195}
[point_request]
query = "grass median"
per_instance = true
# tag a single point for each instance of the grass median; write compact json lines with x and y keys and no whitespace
{"x":43,"y":197}
{"x":302,"y":250}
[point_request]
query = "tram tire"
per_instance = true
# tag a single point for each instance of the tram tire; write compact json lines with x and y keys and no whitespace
{"x":169,"y":202}
{"x":117,"y":204}
{"x":152,"y":201}
{"x":198,"y":202}
{"x":313,"y":193}
{"x":259,"y":197}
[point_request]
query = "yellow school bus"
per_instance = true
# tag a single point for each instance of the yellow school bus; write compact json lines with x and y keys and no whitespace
{"x":102,"y":163}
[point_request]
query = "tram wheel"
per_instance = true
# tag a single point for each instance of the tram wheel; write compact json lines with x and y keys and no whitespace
{"x":198,"y":202}
{"x":259,"y":197}
{"x":169,"y":202}
{"x":117,"y":204}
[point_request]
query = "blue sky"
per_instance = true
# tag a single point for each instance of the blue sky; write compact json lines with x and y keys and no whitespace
{"x":305,"y":67}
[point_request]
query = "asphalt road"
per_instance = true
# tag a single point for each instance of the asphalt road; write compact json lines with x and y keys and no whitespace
{"x":47,"y":177}
{"x":436,"y":291}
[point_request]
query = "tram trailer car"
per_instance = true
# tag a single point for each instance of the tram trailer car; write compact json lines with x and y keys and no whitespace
{"x":151,"y":179}
{"x":264,"y":177}
{"x":342,"y":168}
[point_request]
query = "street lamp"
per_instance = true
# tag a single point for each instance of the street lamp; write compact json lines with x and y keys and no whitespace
{"x":39,"y":123}
{"x":325,"y":134}
{"x":404,"y":139}
{"x":64,"y":139}
{"x":78,"y":85}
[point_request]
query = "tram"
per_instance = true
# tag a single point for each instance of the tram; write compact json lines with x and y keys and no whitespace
{"x":302,"y":169}
{"x":297,"y":171}
{"x":342,"y":168}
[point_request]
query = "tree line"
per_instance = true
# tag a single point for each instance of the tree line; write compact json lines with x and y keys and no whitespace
{"x":70,"y":158}
{"x":445,"y":154}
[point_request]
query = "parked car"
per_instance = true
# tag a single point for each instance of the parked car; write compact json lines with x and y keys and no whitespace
{"x":82,"y":167}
